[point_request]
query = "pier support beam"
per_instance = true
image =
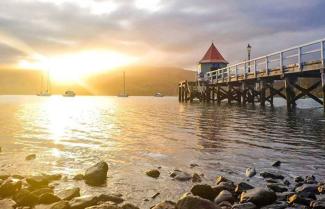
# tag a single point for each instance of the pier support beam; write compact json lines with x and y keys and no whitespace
{"x":290,"y":93}
{"x":262,"y":88}
{"x":323,"y":86}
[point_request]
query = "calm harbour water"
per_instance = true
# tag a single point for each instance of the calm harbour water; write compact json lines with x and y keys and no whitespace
{"x":139,"y":133}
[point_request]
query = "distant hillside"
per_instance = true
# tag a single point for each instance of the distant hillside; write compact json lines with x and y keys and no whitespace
{"x":139,"y":81}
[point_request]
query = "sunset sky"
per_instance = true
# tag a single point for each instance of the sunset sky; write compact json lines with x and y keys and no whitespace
{"x":110,"y":33}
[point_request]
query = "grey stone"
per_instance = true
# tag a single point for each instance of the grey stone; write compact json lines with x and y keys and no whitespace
{"x":224,"y":196}
{"x":259,"y":196}
{"x":96,"y":174}
{"x":203,"y":190}
{"x":194,"y":202}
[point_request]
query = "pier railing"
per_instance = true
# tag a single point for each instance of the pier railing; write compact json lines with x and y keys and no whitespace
{"x":294,"y":59}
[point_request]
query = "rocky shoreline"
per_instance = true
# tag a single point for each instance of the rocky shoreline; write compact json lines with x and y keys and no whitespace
{"x":277,"y":192}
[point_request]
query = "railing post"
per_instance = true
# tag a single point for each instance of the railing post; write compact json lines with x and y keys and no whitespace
{"x":281,"y":62}
{"x":267,"y":65}
{"x":228,"y":72}
{"x":236,"y":72}
{"x":322,"y":52}
{"x":255,"y":69}
{"x":299,"y":59}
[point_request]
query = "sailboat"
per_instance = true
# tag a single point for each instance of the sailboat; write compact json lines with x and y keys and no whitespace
{"x":47,"y":91}
{"x":124,"y":94}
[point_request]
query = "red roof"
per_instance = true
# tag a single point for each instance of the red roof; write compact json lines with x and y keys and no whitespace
{"x":213,"y":56}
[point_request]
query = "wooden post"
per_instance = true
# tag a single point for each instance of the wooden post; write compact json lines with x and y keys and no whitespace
{"x":179,"y":93}
{"x":271,"y":94}
{"x":290,"y":93}
{"x":229,"y":96}
{"x":262,"y":93}
{"x":323,"y":86}
{"x":244,"y":92}
{"x":213,"y":93}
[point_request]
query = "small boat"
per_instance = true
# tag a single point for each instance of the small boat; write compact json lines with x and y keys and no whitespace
{"x":124,"y":94}
{"x":69,"y":94}
{"x":44,"y":94}
{"x":158,"y":95}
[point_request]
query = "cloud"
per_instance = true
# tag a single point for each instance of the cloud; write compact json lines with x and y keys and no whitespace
{"x":159,"y":32}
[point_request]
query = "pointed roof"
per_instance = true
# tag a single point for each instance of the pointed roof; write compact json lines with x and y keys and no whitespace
{"x":213,"y":56}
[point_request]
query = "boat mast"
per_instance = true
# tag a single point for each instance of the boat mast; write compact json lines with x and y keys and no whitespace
{"x":124,"y":83}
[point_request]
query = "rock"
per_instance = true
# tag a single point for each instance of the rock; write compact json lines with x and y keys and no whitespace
{"x":307,"y":190}
{"x":165,"y":205}
{"x":155,"y":195}
{"x":271,"y":175}
{"x":105,"y":205}
{"x":286,"y":182}
{"x":129,"y":206}
{"x":284,"y":196}
{"x":205,"y":191}
{"x":220,"y":179}
{"x":250,"y":172}
{"x":180,"y":175}
{"x":30,"y":157}
{"x":153,"y":173}
{"x":276,"y":205}
{"x":15,"y":176}
{"x":276,"y":187}
{"x":196,"y":178}
{"x":97,"y":174}
{"x":224,"y":196}
{"x":83,"y":202}
{"x":4,"y":176}
{"x":242,"y":187}
{"x":52,"y":177}
{"x":321,"y":189}
{"x":318,"y":204}
{"x":69,"y":194}
{"x":298,"y":200}
{"x":194,"y":202}
{"x":310,"y":180}
{"x":228,"y":185}
{"x":25,"y":198}
{"x":247,"y":205}
{"x":10,"y":187}
{"x":61,"y":205}
{"x":37,"y":181}
{"x":259,"y":196}
{"x":48,"y":198}
{"x":299,"y":179}
{"x":193,"y":165}
{"x":276,"y":164}
{"x":111,"y":198}
{"x":40,"y":192}
{"x":78,"y":177}
{"x":7,"y":204}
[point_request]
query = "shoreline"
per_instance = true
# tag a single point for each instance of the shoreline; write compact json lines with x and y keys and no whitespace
{"x":276,"y":192}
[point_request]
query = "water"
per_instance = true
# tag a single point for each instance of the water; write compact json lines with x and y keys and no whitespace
{"x":139,"y":133}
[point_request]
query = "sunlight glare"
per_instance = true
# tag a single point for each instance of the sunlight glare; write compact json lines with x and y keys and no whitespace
{"x":150,"y":5}
{"x":73,"y":67}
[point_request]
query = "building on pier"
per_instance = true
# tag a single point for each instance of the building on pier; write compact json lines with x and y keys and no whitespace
{"x":212,"y":60}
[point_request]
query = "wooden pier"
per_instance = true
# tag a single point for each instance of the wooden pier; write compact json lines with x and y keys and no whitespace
{"x":260,"y":80}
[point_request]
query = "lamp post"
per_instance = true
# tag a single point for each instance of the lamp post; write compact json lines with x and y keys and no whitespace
{"x":249,"y":49}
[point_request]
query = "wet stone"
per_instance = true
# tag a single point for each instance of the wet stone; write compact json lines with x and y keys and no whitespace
{"x":96,"y":174}
{"x":220,"y":179}
{"x":196,"y":178}
{"x":259,"y":196}
{"x":7,"y":204}
{"x":271,"y":175}
{"x":79,"y":177}
{"x":242,"y":187}
{"x":153,"y":173}
{"x":224,"y":196}
{"x":25,"y":198}
{"x":229,"y":186}
{"x":307,"y":190}
{"x":165,"y":205}
{"x":37,"y":181}
{"x":83,"y":202}
{"x":277,"y":187}
{"x":205,"y":191}
{"x":48,"y":198}
{"x":30,"y":157}
{"x":61,"y":205}
{"x":10,"y":187}
{"x":247,"y":205}
{"x":39,"y":192}
{"x":276,"y":163}
{"x":110,"y":197}
{"x":69,"y":194}
{"x":250,"y":172}
{"x":129,"y":206}
{"x":276,"y":205}
{"x":298,"y":200}
{"x":194,"y":202}
{"x":181,"y":175}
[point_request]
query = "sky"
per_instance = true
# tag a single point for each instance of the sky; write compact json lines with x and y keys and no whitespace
{"x":151,"y":32}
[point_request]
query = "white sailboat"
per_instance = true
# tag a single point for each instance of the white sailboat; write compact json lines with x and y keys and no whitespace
{"x":47,"y":90}
{"x":124,"y":94}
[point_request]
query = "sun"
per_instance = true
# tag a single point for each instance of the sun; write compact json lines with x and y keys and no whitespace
{"x":76,"y":66}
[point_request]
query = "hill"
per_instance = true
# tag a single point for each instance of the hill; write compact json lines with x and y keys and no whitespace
{"x":139,"y":81}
